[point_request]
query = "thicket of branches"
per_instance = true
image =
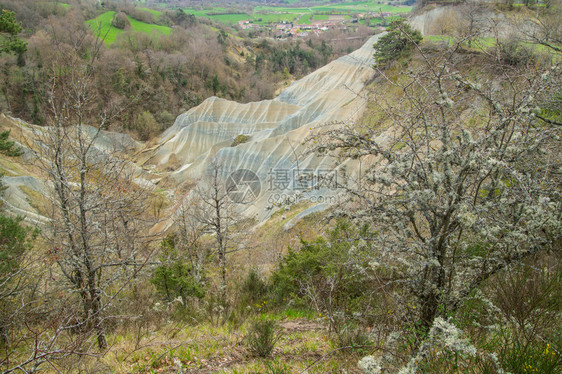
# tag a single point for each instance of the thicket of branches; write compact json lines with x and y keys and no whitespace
{"x":462,"y":180}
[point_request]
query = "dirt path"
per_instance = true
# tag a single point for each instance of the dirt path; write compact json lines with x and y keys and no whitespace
{"x":301,"y":325}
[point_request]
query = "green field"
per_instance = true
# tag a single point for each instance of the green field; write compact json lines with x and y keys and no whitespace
{"x":357,"y":7}
{"x":102,"y":24}
{"x":272,"y":14}
{"x":274,"y":17}
{"x":154,"y":12}
{"x":306,"y":19}
{"x":230,"y":18}
{"x":361,"y":7}
{"x":281,"y":9}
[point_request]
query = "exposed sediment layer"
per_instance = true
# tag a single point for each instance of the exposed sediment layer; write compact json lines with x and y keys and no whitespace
{"x":275,"y":130}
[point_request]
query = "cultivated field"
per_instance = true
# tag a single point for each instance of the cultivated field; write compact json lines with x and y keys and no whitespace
{"x":272,"y":14}
{"x":102,"y":24}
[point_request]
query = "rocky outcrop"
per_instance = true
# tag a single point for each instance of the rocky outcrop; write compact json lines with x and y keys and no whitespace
{"x":455,"y":20}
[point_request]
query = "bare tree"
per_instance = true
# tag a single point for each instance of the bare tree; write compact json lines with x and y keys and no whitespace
{"x":189,"y":232}
{"x":99,"y":220}
{"x":215,"y":211}
{"x":545,"y":28}
{"x":472,"y":20}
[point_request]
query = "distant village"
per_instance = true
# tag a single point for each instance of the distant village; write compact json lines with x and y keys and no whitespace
{"x":286,"y":29}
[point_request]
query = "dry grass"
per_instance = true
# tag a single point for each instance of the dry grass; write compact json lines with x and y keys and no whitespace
{"x":204,"y":348}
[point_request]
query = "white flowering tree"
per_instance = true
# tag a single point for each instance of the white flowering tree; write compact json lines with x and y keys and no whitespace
{"x":465,"y":177}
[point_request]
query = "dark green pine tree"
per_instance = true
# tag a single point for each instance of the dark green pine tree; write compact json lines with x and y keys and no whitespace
{"x":397,"y":42}
{"x":9,"y":42}
{"x":9,"y":29}
{"x":7,"y":147}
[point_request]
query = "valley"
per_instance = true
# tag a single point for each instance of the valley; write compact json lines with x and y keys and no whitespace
{"x":253,"y":187}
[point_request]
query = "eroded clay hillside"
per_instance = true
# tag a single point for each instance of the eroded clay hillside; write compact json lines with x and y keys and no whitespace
{"x":266,"y":137}
{"x":273,"y":133}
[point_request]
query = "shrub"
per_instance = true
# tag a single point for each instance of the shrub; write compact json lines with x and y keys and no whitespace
{"x":262,"y":337}
{"x":517,"y":327}
{"x":239,"y":140}
{"x":253,"y":289}
{"x":521,"y":357}
{"x":514,"y":53}
{"x":165,"y":119}
{"x":146,"y":125}
{"x":173,"y":278}
{"x":120,"y":21}
{"x":530,"y":338}
{"x":251,"y":292}
{"x":330,"y":275}
{"x":15,"y":241}
{"x":142,"y":15}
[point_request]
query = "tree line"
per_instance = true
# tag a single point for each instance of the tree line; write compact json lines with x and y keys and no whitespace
{"x":138,"y":70}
